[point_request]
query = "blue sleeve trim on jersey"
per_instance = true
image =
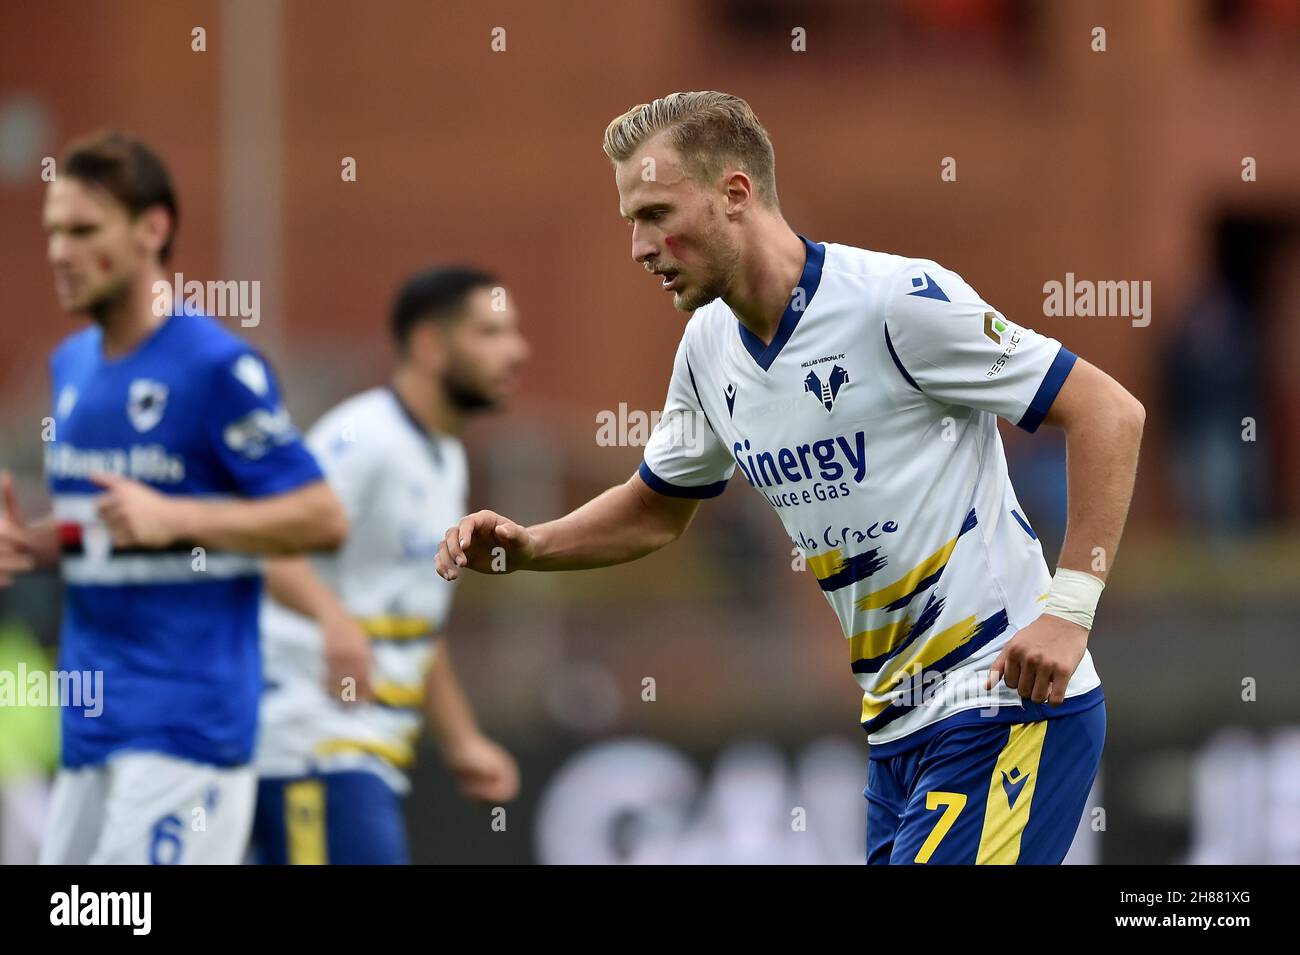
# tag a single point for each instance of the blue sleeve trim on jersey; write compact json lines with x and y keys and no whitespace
{"x":698,"y":399}
{"x":894,"y":355}
{"x":660,"y":486}
{"x":1047,"y":391}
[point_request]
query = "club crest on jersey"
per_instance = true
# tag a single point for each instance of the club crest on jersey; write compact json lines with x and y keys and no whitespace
{"x":826,"y":391}
{"x":730,"y":395}
{"x":146,"y":400}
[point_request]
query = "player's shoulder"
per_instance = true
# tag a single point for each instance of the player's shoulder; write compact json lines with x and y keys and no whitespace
{"x":852,"y":261}
{"x":373,"y":411}
{"x":77,"y":348}
{"x":203,"y":338}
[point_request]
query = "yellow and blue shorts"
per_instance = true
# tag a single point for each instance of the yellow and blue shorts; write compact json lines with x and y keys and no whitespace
{"x":986,"y":792}
{"x":335,"y":818}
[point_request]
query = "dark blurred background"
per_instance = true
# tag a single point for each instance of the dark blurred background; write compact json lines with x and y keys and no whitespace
{"x":1169,"y":157}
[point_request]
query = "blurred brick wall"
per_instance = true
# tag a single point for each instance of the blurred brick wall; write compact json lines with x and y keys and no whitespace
{"x":1106,"y":165}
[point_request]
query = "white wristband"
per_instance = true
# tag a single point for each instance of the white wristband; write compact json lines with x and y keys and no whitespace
{"x":1073,"y":596}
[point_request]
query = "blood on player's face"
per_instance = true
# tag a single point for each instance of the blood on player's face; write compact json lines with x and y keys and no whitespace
{"x":94,"y":245}
{"x":676,"y":221}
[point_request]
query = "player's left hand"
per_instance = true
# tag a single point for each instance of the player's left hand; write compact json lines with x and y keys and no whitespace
{"x":1039,"y":660}
{"x":135,"y":514}
{"x":484,"y":770}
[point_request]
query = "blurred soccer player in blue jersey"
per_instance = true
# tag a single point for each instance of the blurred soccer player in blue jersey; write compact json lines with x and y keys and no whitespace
{"x":858,"y":392}
{"x":172,"y":465}
{"x":355,"y":660}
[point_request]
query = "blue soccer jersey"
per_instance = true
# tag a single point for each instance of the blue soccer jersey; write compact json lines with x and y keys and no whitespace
{"x":191,"y":411}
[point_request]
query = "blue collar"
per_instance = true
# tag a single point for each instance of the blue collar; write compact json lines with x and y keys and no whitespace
{"x":763,"y":354}
{"x":416,"y":424}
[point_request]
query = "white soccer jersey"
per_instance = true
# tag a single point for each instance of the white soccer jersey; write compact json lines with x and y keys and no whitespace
{"x":401,"y":487}
{"x":868,"y":424}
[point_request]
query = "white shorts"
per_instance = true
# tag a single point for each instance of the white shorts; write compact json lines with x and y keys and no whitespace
{"x":151,"y":808}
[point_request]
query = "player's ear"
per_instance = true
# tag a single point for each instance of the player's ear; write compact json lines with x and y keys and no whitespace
{"x":152,"y":227}
{"x":739,"y":191}
{"x":427,"y":345}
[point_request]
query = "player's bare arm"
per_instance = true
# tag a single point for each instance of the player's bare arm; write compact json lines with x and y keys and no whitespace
{"x":308,"y":518}
{"x":484,"y":770}
{"x":1103,"y":430}
{"x":24,"y":546}
{"x":624,"y":523}
{"x":293,"y":582}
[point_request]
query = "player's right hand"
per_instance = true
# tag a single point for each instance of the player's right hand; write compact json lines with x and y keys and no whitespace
{"x":348,"y":656}
{"x":487,"y":542}
{"x":17,"y":549}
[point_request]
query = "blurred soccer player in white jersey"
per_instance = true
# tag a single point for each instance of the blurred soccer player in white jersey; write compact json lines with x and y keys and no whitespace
{"x":356,"y":666}
{"x":172,"y":465}
{"x":858,"y":393}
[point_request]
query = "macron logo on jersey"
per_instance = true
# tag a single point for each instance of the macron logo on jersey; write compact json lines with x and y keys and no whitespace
{"x":926,"y":287}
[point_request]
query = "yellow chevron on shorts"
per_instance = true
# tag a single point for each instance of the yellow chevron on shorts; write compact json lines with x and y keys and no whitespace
{"x":399,"y":755}
{"x":1011,"y":794}
{"x":393,"y":627}
{"x":887,"y":595}
{"x":304,"y":822}
{"x":826,"y":565}
{"x":898,"y":671}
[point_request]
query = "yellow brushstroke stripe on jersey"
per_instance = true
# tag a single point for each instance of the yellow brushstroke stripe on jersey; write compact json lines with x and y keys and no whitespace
{"x":402,"y":695}
{"x":1004,"y":821}
{"x":870,"y":644}
{"x":826,"y":565}
{"x":392,"y":627}
{"x":304,"y":822}
{"x":896,"y":591}
{"x":937,"y":647}
{"x":400,"y":756}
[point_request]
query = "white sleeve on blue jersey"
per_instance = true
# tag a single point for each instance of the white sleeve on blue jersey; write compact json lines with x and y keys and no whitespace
{"x":350,"y":466}
{"x":684,"y":457}
{"x":953,"y":346}
{"x":251,"y":431}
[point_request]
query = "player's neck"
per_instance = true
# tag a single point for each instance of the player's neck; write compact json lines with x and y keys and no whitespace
{"x":769,"y":270}
{"x":129,"y":319}
{"x":426,"y":401}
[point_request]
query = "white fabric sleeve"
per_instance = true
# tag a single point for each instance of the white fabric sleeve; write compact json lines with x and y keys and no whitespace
{"x":684,"y":457}
{"x":953,"y":346}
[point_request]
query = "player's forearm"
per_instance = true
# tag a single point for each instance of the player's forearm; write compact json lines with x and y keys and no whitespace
{"x":1101,"y":467}
{"x":44,"y":542}
{"x":308,"y":519}
{"x":293,"y":582}
{"x":447,"y":708}
{"x":624,"y":523}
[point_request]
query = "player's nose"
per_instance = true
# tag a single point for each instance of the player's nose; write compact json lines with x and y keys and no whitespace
{"x":643,"y":250}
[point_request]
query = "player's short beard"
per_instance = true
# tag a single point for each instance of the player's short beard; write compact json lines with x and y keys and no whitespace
{"x":108,"y":301}
{"x":724,"y":258}
{"x":464,"y":393}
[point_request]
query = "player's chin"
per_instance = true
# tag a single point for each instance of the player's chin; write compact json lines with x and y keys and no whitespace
{"x":689,"y":299}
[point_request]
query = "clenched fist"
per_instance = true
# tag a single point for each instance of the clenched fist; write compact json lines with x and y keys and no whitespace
{"x":487,"y":542}
{"x":135,"y":514}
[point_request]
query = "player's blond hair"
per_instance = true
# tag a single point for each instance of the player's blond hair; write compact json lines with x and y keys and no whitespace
{"x":709,"y":130}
